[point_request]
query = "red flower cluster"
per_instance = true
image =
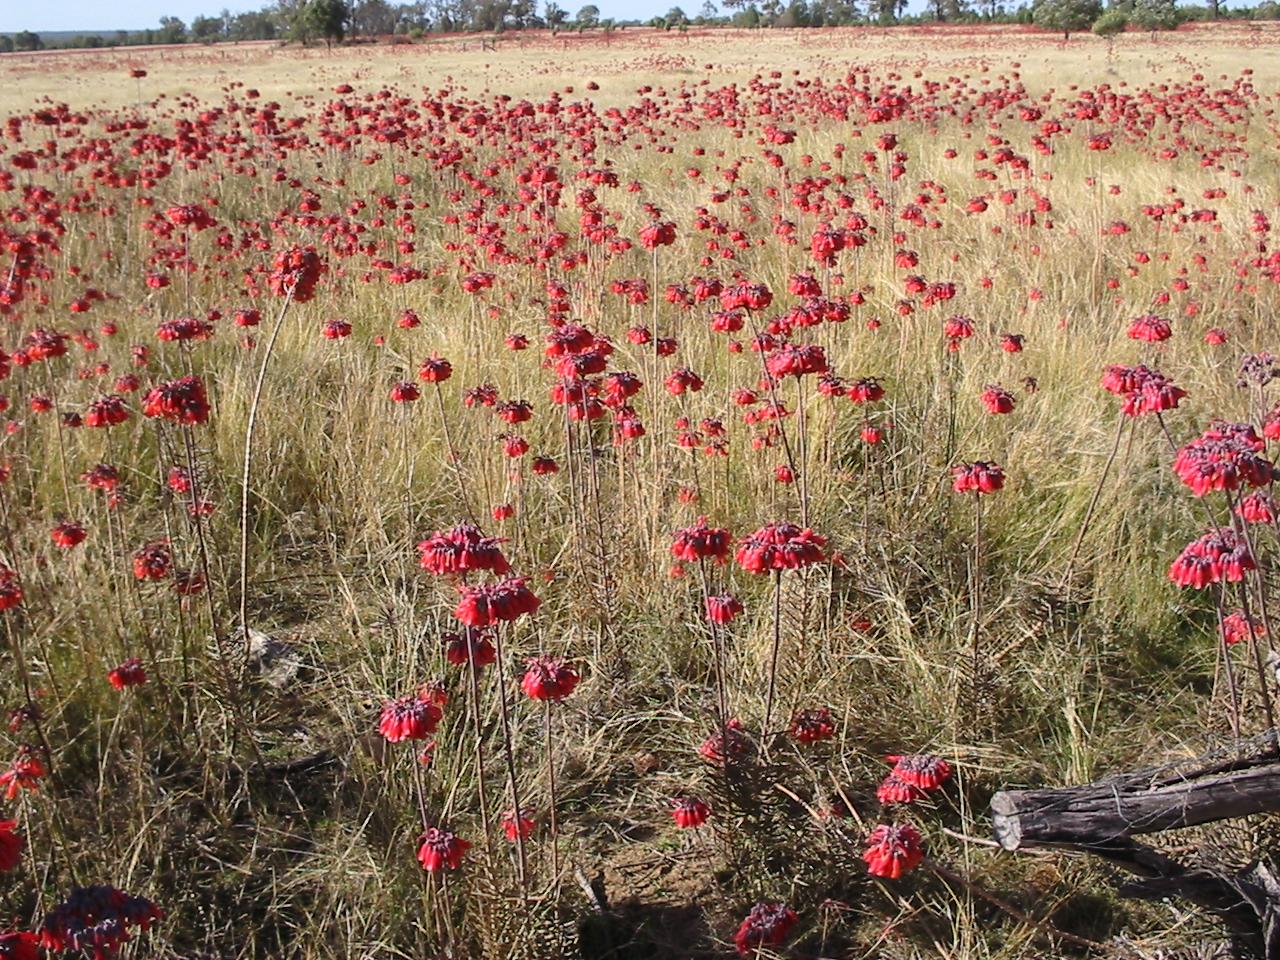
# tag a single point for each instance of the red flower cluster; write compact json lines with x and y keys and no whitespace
{"x":414,"y":717}
{"x":1235,"y":628}
{"x":1144,"y":390}
{"x":1225,"y":457}
{"x":129,"y":674}
{"x":483,"y":606}
{"x":441,"y":849}
{"x":179,"y":401}
{"x":106,"y":411}
{"x":19,"y":945}
{"x":10,"y":589}
{"x":1217,"y":556}
{"x":780,"y":546}
{"x":893,"y":850}
{"x":298,"y":269}
{"x":152,"y":561}
{"x":795,"y":360}
{"x":96,"y":920}
{"x":729,"y":744}
{"x":470,"y":646}
{"x":977,"y":477}
{"x":723,"y":609}
{"x":689,"y":812}
{"x":997,"y":399}
{"x":68,"y":534}
{"x":11,"y":845}
{"x":912,"y":778}
{"x":766,"y":925}
{"x":548,"y":678}
{"x":701,"y":542}
{"x":24,"y":773}
{"x":812,"y":726}
{"x":1150,"y":328}
{"x":463,"y":549}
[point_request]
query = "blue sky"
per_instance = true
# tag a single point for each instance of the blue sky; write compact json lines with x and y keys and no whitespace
{"x":139,"y":14}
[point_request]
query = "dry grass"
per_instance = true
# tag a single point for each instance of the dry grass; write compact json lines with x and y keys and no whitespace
{"x":161,"y":792}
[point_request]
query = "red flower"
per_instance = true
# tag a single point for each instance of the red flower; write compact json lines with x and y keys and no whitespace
{"x":470,"y":646}
{"x":68,"y":534}
{"x":1150,"y":328}
{"x":1011,"y":342}
{"x":435,"y":369}
{"x":977,"y":477}
{"x":689,"y":812}
{"x":129,"y":674}
{"x":517,"y":826}
{"x":548,"y":678}
{"x":152,"y":561}
{"x":865,"y":390}
{"x":406,"y":391}
{"x":298,"y":270}
{"x":1144,"y":390}
{"x":19,"y":945}
{"x":1235,"y":627}
{"x":812,"y":726}
{"x":730,"y":743}
{"x":11,"y":845}
{"x":24,"y":773}
{"x":462,"y":549}
{"x":414,"y":717}
{"x":779,"y":546}
{"x":10,"y":589}
{"x":894,"y":789}
{"x":180,"y":401}
{"x":483,"y":606}
{"x":723,"y":609}
{"x":544,"y":466}
{"x":893,"y":850}
{"x":336,"y":330}
{"x":794,"y":360}
{"x":96,"y":919}
{"x":1216,"y":337}
{"x":1257,"y":508}
{"x":923,"y":770}
{"x":997,"y":399}
{"x":441,"y":849}
{"x":1217,"y":556}
{"x":701,"y":542}
{"x":106,"y":412}
{"x":1225,"y":457}
{"x":767,"y":925}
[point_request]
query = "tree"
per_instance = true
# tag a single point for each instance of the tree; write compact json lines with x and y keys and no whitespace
{"x":6,"y":43}
{"x":555,"y":15}
{"x":1111,"y":23}
{"x":1065,"y":15}
{"x":588,"y":17}
{"x":708,"y":13}
{"x":26,"y":40}
{"x":374,"y":18}
{"x":1154,"y":15}
{"x":321,"y":18}
{"x":206,"y":29}
{"x":675,"y":17}
{"x":172,"y":30}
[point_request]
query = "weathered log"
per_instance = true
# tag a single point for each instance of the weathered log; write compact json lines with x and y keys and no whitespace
{"x":1122,"y":807}
{"x":1101,"y":818}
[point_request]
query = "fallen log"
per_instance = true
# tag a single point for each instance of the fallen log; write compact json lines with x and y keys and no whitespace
{"x":1101,"y":818}
{"x":1134,"y":804}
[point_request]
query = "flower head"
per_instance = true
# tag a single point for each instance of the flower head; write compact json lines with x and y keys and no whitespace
{"x":893,"y":850}
{"x":689,"y":812}
{"x":548,"y":678}
{"x":766,"y":925}
{"x":441,"y":849}
{"x":780,"y":546}
{"x":414,"y":717}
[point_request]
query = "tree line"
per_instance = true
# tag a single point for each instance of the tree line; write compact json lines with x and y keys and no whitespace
{"x":330,"y":21}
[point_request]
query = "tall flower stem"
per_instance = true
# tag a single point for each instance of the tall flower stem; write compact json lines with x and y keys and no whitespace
{"x":245,"y":473}
{"x":509,"y":750}
{"x":1093,"y":502}
{"x":1232,"y":690}
{"x":976,"y":639}
{"x":773,"y":657}
{"x":551,"y":789}
{"x":481,"y":787}
{"x":451,"y":451}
